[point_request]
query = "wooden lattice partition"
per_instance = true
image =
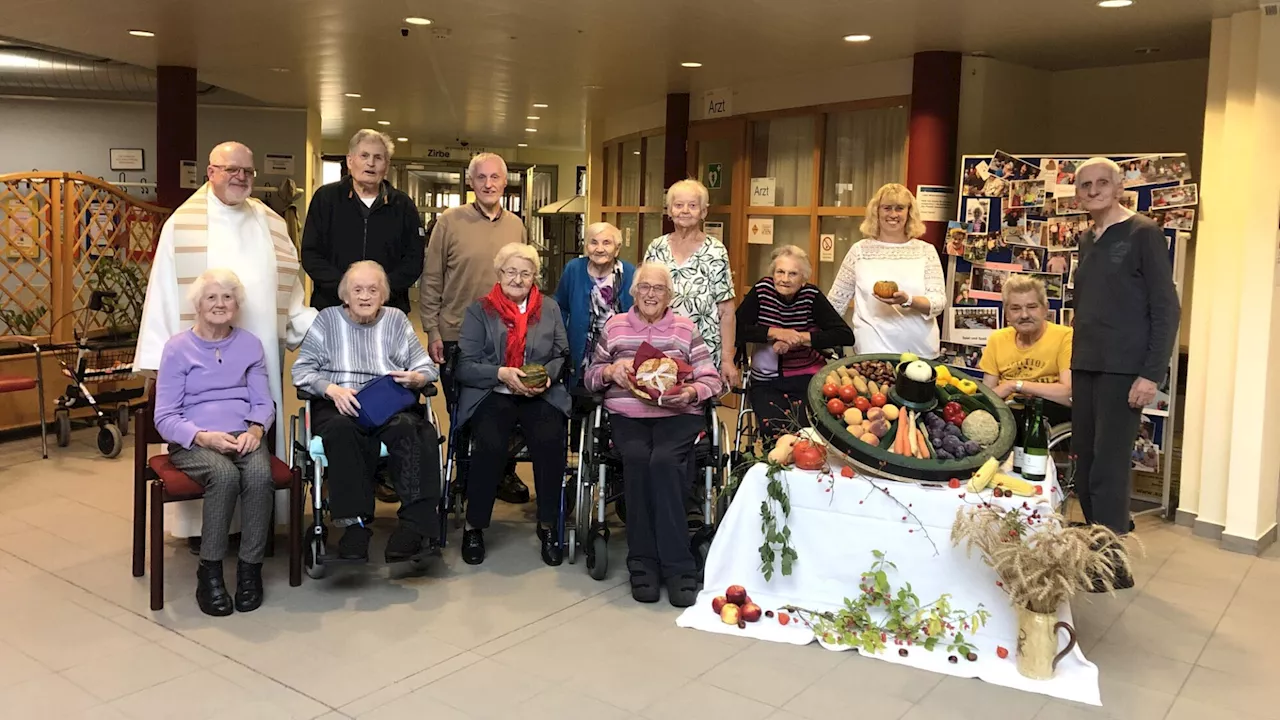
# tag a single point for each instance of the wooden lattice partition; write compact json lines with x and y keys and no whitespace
{"x":63,"y":235}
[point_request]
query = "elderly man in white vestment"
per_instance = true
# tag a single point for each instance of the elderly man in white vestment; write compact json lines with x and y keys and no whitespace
{"x":221,"y":226}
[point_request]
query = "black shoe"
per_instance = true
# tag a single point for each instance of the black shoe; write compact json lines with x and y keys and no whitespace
{"x":193,"y":545}
{"x":354,"y":544}
{"x":211,"y":590}
{"x":404,"y":544}
{"x":248,"y":586}
{"x":644,"y":581}
{"x":552,"y":552}
{"x":682,"y":590}
{"x":385,"y":493}
{"x":513,"y":490}
{"x":473,"y":546}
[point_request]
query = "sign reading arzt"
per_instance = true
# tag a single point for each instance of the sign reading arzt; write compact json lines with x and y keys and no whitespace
{"x":717,"y":103}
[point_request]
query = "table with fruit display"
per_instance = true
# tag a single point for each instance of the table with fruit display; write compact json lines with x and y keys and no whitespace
{"x":843,"y":534}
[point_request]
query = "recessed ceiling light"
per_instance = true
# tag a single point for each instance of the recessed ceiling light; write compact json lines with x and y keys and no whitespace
{"x":352,"y":95}
{"x":691,"y":64}
{"x":370,"y":109}
{"x":540,"y":105}
{"x":142,"y":33}
{"x":532,"y":117}
{"x":857,"y":38}
{"x":384,"y":122}
{"x":522,"y":144}
{"x":531,"y":129}
{"x":402,"y":139}
{"x":418,"y":21}
{"x":635,"y":152}
{"x":1114,"y":3}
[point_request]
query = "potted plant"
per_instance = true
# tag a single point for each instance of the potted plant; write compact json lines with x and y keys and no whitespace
{"x":1042,"y":562}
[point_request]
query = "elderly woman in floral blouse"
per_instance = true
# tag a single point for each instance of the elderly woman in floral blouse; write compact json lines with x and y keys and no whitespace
{"x":699,"y":265}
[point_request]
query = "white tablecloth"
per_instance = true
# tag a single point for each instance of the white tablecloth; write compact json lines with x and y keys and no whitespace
{"x":834,"y":531}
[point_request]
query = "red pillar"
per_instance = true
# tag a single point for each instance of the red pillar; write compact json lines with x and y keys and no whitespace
{"x":175,"y":132}
{"x":935,"y":117}
{"x":675,"y":164}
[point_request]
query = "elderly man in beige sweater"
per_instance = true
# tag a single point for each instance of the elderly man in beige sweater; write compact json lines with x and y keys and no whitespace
{"x":459,"y":270}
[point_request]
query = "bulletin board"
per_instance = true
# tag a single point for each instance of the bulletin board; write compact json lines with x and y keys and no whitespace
{"x":1018,"y":214}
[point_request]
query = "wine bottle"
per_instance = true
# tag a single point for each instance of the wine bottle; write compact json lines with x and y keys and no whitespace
{"x":1035,"y":444}
{"x":1019,"y":434}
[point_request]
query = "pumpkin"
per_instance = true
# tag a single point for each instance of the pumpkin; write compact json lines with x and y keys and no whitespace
{"x":535,"y":376}
{"x":809,"y":455}
{"x":885,"y":288}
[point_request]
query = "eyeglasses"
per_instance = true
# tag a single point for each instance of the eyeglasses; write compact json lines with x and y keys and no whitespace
{"x":233,"y":171}
{"x":646,"y":288}
{"x":512,"y":274}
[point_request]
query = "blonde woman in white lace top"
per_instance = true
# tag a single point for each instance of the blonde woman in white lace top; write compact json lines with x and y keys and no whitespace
{"x":891,"y":251}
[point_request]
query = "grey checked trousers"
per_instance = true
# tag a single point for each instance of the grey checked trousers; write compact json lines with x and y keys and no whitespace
{"x":227,"y":478}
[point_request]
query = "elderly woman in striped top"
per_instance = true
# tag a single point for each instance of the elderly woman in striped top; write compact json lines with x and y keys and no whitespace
{"x":788,"y":320}
{"x":347,"y":347}
{"x":656,"y":441}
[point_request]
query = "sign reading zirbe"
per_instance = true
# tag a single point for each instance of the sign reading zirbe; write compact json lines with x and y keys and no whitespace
{"x":715,"y":175}
{"x":717,"y":103}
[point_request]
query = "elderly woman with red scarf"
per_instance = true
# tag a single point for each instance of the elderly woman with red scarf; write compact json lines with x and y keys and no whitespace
{"x":514,"y":326}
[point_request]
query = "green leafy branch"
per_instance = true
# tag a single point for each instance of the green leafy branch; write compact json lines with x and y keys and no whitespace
{"x":774,"y":511}
{"x":881,"y":615}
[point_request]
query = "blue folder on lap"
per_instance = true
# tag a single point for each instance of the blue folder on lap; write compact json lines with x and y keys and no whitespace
{"x":381,"y":399}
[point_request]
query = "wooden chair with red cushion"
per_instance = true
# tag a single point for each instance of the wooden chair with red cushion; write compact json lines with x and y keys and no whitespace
{"x":168,"y":484}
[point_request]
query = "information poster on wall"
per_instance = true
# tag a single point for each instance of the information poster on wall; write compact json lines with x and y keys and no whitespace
{"x":276,"y":164}
{"x":715,"y":230}
{"x":18,"y":226}
{"x":760,"y":231}
{"x":189,"y":180}
{"x":827,"y":247}
{"x":937,"y":203}
{"x":763,"y":191}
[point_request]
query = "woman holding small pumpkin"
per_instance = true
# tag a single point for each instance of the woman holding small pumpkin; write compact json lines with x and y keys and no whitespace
{"x":894,"y":280}
{"x":512,"y":353}
{"x":655,"y":437}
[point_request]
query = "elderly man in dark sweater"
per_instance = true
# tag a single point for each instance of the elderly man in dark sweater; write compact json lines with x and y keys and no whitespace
{"x":1126,"y":321}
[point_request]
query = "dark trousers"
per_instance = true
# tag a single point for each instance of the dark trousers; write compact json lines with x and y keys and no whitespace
{"x":1103,"y":428}
{"x":779,"y":404}
{"x":352,"y":451}
{"x":656,"y":457}
{"x":449,"y":383}
{"x":491,"y":428}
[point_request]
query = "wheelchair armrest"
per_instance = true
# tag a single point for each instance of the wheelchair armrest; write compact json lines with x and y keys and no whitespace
{"x":305,"y":395}
{"x":430,"y":390}
{"x":585,"y":394}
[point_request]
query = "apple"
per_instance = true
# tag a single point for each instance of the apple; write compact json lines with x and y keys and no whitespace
{"x":730,"y":614}
{"x":736,"y":594}
{"x":718,"y":604}
{"x":751,"y":612}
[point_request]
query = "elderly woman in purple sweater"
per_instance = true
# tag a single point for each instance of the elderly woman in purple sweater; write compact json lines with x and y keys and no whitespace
{"x":656,"y":441}
{"x":213,"y":404}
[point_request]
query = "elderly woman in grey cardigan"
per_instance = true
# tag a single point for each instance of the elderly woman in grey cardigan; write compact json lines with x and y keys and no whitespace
{"x":346,"y":348}
{"x":513,"y":327}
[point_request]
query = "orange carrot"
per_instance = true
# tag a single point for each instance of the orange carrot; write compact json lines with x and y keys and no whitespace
{"x":924,"y":446}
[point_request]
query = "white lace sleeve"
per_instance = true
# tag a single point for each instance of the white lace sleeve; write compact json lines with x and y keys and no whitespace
{"x":935,"y":281}
{"x":845,"y":285}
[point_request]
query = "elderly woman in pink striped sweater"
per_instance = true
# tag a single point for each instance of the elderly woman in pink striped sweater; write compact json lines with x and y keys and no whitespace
{"x":656,"y":441}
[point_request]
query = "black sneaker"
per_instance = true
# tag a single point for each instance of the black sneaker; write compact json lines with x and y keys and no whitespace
{"x":511,"y":489}
{"x":404,"y":544}
{"x":354,"y":544}
{"x":473,"y":546}
{"x":552,"y":552}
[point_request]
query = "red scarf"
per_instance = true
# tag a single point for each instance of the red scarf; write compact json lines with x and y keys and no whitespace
{"x":496,"y":303}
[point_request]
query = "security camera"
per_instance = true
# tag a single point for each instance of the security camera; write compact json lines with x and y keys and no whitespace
{"x":404,"y":32}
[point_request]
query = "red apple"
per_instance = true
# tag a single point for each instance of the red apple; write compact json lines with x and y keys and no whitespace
{"x":751,"y":612}
{"x":718,"y":604}
{"x":730,"y":614}
{"x":736,"y":594}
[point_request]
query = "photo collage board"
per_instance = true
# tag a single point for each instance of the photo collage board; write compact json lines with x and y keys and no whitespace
{"x":1018,"y":214}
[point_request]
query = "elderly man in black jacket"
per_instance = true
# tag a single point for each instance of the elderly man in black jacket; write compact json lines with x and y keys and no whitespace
{"x":1126,"y":321}
{"x":361,"y":217}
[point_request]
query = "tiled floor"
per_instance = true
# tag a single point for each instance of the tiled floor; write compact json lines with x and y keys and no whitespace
{"x":1196,"y":640}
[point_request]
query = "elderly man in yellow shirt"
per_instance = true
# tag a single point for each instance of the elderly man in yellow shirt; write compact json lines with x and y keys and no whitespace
{"x":1030,"y":356}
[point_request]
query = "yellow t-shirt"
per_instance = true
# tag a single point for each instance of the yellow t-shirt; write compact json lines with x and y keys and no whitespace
{"x":1042,"y":362}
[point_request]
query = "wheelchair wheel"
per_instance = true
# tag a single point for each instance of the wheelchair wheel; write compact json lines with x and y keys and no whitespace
{"x":571,"y":544}
{"x":1064,"y":460}
{"x":313,"y":549}
{"x":110,"y":441}
{"x":62,"y":418}
{"x":700,"y":546}
{"x":620,"y":508}
{"x":598,"y":557}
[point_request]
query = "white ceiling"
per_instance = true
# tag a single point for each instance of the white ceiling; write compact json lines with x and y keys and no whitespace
{"x":501,"y":56}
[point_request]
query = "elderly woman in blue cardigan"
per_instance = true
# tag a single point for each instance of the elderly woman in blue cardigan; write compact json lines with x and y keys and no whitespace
{"x":592,"y":290}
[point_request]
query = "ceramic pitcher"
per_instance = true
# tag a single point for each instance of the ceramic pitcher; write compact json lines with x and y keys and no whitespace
{"x":1038,"y":654}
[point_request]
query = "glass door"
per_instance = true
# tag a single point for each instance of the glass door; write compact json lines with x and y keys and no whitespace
{"x":716,"y":152}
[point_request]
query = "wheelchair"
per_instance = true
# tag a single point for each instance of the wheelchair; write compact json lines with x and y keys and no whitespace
{"x":308,"y":454}
{"x":597,"y":482}
{"x":748,"y":433}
